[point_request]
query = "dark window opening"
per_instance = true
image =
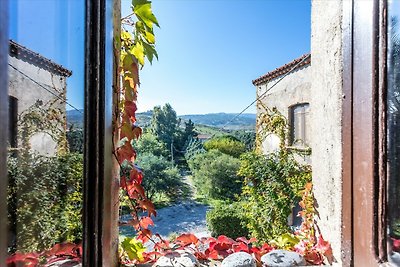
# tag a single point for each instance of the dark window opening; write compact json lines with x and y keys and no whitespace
{"x":13,"y":122}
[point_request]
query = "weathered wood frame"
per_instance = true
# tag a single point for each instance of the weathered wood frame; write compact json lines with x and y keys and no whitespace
{"x":364,"y":133}
{"x":4,"y":123}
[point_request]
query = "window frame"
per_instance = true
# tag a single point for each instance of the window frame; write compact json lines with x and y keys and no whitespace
{"x":364,"y":133}
{"x":100,"y":211}
{"x":292,"y":139}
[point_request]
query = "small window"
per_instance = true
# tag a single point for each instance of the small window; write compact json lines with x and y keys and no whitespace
{"x":299,"y":125}
{"x":13,"y":122}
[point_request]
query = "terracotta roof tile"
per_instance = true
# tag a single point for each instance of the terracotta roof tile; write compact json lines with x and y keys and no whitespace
{"x":25,"y":54}
{"x":283,"y":69}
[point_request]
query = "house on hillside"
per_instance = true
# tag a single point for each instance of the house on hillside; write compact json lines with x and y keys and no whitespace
{"x":37,"y":96}
{"x":287,"y":89}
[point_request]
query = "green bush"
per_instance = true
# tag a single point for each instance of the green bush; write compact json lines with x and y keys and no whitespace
{"x":215,"y":175}
{"x":226,"y":144}
{"x":160,"y":176}
{"x":272,"y":186}
{"x":75,"y":140}
{"x":44,"y":200}
{"x":149,"y":144}
{"x":227,"y":219}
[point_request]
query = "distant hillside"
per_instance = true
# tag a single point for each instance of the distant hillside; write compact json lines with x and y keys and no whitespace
{"x":75,"y":118}
{"x":218,"y":120}
{"x":245,"y":121}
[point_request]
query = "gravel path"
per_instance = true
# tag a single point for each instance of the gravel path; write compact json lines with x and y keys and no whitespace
{"x":184,"y":217}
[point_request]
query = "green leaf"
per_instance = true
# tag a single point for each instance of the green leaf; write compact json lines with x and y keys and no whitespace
{"x":133,"y":248}
{"x":140,"y":2}
{"x":150,"y":37}
{"x":138,"y":51}
{"x":150,"y":52}
{"x":144,"y":13}
{"x":126,"y":35}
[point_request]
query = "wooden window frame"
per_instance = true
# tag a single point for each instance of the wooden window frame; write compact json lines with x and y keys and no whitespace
{"x":100,"y":212}
{"x":364,"y":237}
{"x":292,"y":125}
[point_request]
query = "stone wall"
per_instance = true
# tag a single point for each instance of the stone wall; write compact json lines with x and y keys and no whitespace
{"x":293,"y":89}
{"x":326,"y":119}
{"x":28,"y":89}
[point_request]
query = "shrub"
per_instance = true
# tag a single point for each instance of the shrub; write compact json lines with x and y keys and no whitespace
{"x":226,"y":144}
{"x":227,"y":219}
{"x":160,"y":176}
{"x":75,"y":140}
{"x":149,"y":144}
{"x":44,"y":200}
{"x":215,"y":175}
{"x":272,"y":186}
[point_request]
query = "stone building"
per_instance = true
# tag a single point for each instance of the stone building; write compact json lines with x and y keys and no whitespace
{"x":37,"y":96}
{"x":287,"y":89}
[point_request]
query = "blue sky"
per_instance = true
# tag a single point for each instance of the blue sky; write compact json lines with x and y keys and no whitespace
{"x":211,"y":50}
{"x":54,"y":29}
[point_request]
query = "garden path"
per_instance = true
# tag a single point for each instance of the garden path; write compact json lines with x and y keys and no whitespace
{"x":185,"y":216}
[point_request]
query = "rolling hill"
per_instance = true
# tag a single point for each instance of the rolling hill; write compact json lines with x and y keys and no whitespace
{"x":245,"y":121}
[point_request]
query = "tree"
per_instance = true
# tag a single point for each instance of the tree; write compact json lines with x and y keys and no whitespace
{"x":226,"y":144}
{"x":189,"y":130}
{"x":160,"y":176}
{"x":215,"y":175}
{"x":149,"y":144}
{"x":164,"y":124}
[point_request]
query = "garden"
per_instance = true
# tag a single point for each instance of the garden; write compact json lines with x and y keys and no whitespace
{"x":249,"y":195}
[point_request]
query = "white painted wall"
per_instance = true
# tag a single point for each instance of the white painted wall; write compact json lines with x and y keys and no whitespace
{"x":28,"y":92}
{"x":293,"y":89}
{"x":326,"y":120}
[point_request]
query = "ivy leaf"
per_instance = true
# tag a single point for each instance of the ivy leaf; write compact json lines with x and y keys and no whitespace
{"x":149,"y":206}
{"x":145,"y":222}
{"x":144,"y":13}
{"x":140,"y":2}
{"x":130,"y":108}
{"x":126,"y":131}
{"x":138,"y":51}
{"x":136,"y":175}
{"x":150,"y":52}
{"x":133,"y":248}
{"x":187,"y":239}
{"x":126,"y":152}
{"x":150,"y":37}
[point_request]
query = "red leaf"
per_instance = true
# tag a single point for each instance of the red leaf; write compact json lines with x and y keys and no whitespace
{"x":149,"y":206}
{"x":21,"y":259}
{"x":145,"y":222}
{"x":133,"y":187}
{"x":130,"y":108}
{"x":243,"y":239}
{"x":240,"y":247}
{"x":126,"y":152}
{"x":136,"y":175}
{"x":144,"y":235}
{"x":313,"y":257}
{"x":396,"y":244}
{"x":136,"y":132}
{"x":187,"y":239}
{"x":324,"y":247}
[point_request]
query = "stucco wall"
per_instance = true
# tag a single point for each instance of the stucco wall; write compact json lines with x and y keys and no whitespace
{"x":326,"y":102}
{"x":293,"y":89}
{"x":28,"y":92}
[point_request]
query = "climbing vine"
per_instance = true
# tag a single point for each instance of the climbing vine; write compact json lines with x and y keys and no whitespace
{"x":136,"y":43}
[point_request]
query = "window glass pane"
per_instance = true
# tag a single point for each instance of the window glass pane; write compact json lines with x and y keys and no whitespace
{"x":394,"y":128}
{"x":299,"y":124}
{"x":45,"y":162}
